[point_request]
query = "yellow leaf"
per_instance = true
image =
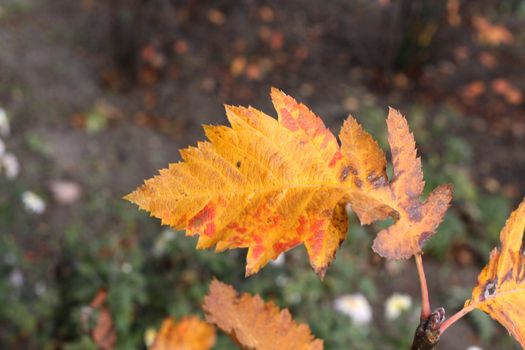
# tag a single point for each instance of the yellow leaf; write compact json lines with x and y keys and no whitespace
{"x":262,"y":184}
{"x":367,"y":164}
{"x":254,"y":324}
{"x":500,"y":291}
{"x":269,"y":185}
{"x":190,"y":333}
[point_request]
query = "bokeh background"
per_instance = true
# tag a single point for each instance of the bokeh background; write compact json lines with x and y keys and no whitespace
{"x":99,"y":94}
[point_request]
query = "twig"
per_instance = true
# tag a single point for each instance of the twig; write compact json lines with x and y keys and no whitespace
{"x":430,"y":329}
{"x":428,"y":332}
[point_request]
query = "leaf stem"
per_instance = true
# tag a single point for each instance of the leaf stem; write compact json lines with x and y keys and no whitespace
{"x":425,"y":300}
{"x":449,"y":321}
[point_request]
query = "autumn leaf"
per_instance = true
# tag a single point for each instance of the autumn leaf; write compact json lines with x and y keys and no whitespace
{"x":254,"y":324}
{"x":417,"y":221}
{"x":269,"y":185}
{"x":500,"y":291}
{"x":103,"y":333}
{"x":492,"y":34}
{"x":190,"y":333}
{"x":262,"y":184}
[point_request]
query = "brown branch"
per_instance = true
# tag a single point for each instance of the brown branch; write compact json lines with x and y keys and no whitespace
{"x":428,"y":332}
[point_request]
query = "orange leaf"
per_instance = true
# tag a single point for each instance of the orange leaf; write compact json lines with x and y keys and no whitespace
{"x":416,"y":221}
{"x":492,"y":34}
{"x":367,"y":164}
{"x":500,"y":291}
{"x":269,"y":185}
{"x":190,"y":333}
{"x":255,"y":324}
{"x":262,"y":184}
{"x":103,"y":333}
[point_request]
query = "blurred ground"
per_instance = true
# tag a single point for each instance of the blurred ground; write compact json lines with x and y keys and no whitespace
{"x":101,"y":94}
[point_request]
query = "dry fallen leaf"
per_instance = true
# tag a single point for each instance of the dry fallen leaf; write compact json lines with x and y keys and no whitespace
{"x":269,"y":185}
{"x":491,"y":34}
{"x":255,"y":324}
{"x":190,"y":333}
{"x":500,"y":291}
{"x":103,"y":334}
{"x":507,"y":90}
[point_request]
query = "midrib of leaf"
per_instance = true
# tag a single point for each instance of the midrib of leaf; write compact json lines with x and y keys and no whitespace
{"x":315,"y":187}
{"x":263,"y":165}
{"x":271,"y":141}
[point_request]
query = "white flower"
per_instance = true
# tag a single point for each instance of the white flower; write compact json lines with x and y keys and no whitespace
{"x":16,"y":278}
{"x":354,"y":306}
{"x":4,"y":123}
{"x":10,"y":165}
{"x":396,"y":304}
{"x":65,"y":192}
{"x":159,"y":248}
{"x":126,"y":268}
{"x":33,"y":202}
{"x":40,"y":288}
{"x":279,"y":261}
{"x":281,"y":280}
{"x":473,"y":347}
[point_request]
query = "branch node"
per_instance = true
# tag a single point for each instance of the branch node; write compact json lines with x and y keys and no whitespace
{"x":428,"y":332}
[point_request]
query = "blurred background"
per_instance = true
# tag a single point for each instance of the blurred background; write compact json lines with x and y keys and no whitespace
{"x":96,"y":95}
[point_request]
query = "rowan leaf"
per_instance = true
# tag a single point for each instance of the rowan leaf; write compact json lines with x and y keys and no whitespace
{"x":500,"y":291}
{"x":254,"y":324}
{"x":262,"y":184}
{"x":269,"y":185}
{"x":190,"y":333}
{"x":416,"y":221}
{"x":367,"y":164}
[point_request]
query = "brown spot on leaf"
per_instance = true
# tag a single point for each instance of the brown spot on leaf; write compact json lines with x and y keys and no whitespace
{"x":424,"y":237}
{"x":377,"y":180}
{"x":507,"y":276}
{"x":489,"y":289}
{"x":346,"y":171}
{"x":414,"y":211}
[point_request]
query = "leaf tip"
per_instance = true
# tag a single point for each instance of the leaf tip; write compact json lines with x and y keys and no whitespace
{"x":135,"y":196}
{"x":321,"y":272}
{"x":129,"y":197}
{"x":276,"y":93}
{"x":394,"y":113}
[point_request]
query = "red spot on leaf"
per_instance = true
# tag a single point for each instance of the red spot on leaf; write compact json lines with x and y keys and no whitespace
{"x":237,"y":228}
{"x":203,"y":220}
{"x":288,"y":121}
{"x":318,"y":233}
{"x":280,"y":247}
{"x":210,"y":229}
{"x":337,"y":156}
{"x":257,"y":251}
